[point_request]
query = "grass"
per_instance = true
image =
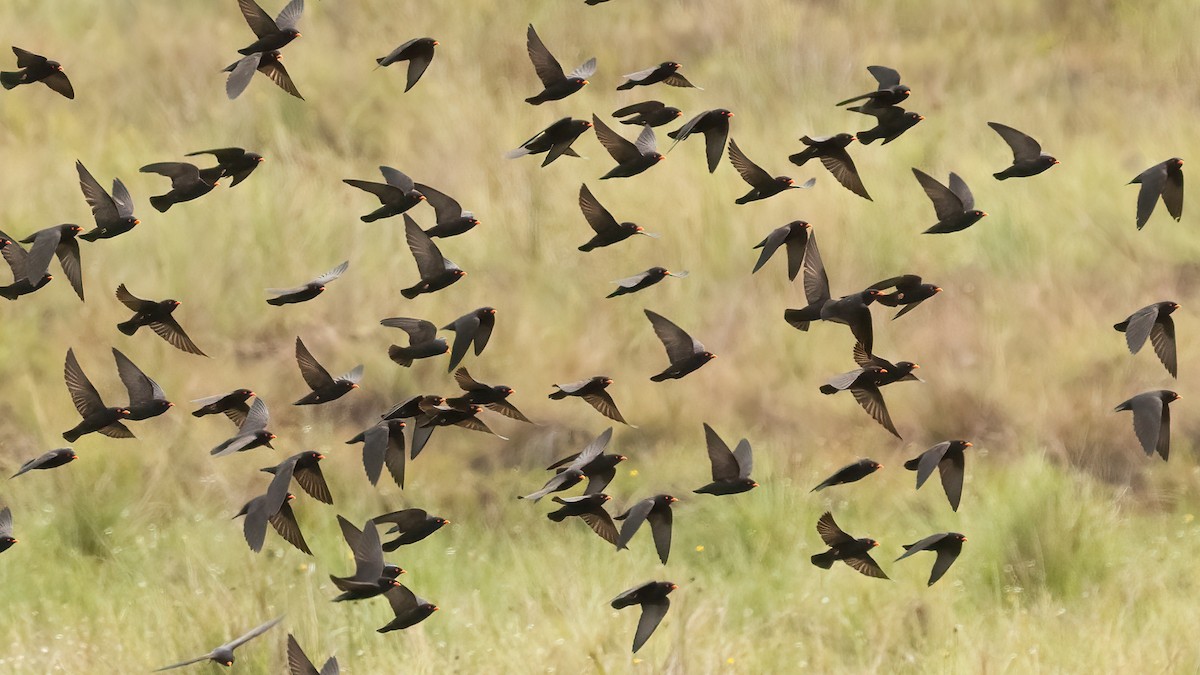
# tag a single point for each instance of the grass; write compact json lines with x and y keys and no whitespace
{"x":1080,"y":550}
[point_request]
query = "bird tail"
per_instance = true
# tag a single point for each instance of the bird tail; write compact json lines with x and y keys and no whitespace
{"x":615,"y":293}
{"x":912,"y":464}
{"x":9,"y":292}
{"x":801,"y":157}
{"x":556,"y":516}
{"x":867,"y":137}
{"x":380,"y":61}
{"x":999,"y":176}
{"x":128,"y":327}
{"x":659,"y":377}
{"x":743,"y":200}
{"x":534,"y":100}
{"x":586,"y":247}
{"x":828,"y":389}
{"x":1121,"y":326}
{"x":277,"y":302}
{"x":673,"y":134}
{"x":10,"y":80}
{"x":161,"y":203}
{"x":624,"y":86}
{"x":824,"y":560}
{"x":800,"y":318}
{"x":198,"y":413}
{"x":71,"y":435}
{"x":558,"y":395}
{"x":410,"y":293}
{"x":519,"y":152}
{"x":90,"y":236}
{"x":396,"y":353}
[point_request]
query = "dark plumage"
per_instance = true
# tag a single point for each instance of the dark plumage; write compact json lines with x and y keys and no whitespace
{"x":235,"y":163}
{"x":413,"y":408}
{"x":224,"y":654}
{"x":408,"y":608}
{"x":954,"y":205}
{"x":6,"y":530}
{"x":853,"y":552}
{"x":1152,"y":420}
{"x":274,"y":508}
{"x":1154,"y":322}
{"x":864,"y":383}
{"x":308,"y":291}
{"x":648,"y":113}
{"x":730,"y":469}
{"x":666,"y":72}
{"x":831,"y":150}
{"x":383,"y":445}
{"x":472,"y":328}
{"x":492,"y":397}
{"x":158,"y":316}
{"x":451,"y":219}
{"x":186,"y":183}
{"x":371,"y":576}
{"x":794,"y":237}
{"x":397,"y":195}
{"x":423,"y":342}
{"x":555,"y":84}
{"x":299,"y":663}
{"x":233,"y":405}
{"x":632,"y":157}
{"x":59,"y":241}
{"x":272,"y":34}
{"x":96,"y":416}
{"x":419,"y":54}
{"x":852,"y":310}
{"x":593,"y":391}
{"x":454,"y":413}
{"x":49,"y":460}
{"x":267,"y":63}
{"x":113,"y":214}
{"x":652,"y":597}
{"x":1028,"y":158}
{"x":889,"y":92}
{"x":607,"y":230}
{"x":1164,"y":179}
{"x":890,"y":123}
{"x":685,"y":353}
{"x":588,"y":463}
{"x":947,"y":458}
{"x":947,"y":545}
{"x":252,"y":432}
{"x":306,"y":469}
{"x":411,"y":526}
{"x":146,"y":398}
{"x":656,"y":510}
{"x":910,"y":292}
{"x":436,"y":270}
{"x":643,"y":280}
{"x":36,"y":68}
{"x":850,"y":473}
{"x":555,"y":140}
{"x":714,"y":124}
{"x":590,"y":509}
{"x":762,"y":184}
{"x":26,"y":279}
{"x":325,"y":387}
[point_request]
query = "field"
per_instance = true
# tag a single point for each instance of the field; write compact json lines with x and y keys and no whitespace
{"x":1081,"y":550}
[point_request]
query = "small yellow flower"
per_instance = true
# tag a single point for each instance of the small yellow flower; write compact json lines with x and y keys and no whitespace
{"x":729,"y":660}
{"x":699,"y":549}
{"x":633,"y":472}
{"x":1189,"y":518}
{"x":637,"y":661}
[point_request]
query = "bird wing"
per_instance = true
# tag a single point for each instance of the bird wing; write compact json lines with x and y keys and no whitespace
{"x":331,"y":667}
{"x":397,"y":178}
{"x":547,"y":67}
{"x":592,"y":450}
{"x":865,"y":564}
{"x":68,"y":256}
{"x":1172,"y":194}
{"x":83,"y":394}
{"x":223,"y":155}
{"x":170,"y":330}
{"x":816,"y":280}
{"x":646,"y":142}
{"x":886,"y":77}
{"x":946,"y":556}
{"x":25,"y":58}
{"x":750,"y":172}
{"x":745,"y":458}
{"x":353,"y":376}
{"x":393,"y":457}
{"x":585,"y":69}
{"x":660,"y":527}
{"x":508,"y":410}
{"x":279,"y":75}
{"x":298,"y":663}
{"x":103,"y":206}
{"x":418,"y":63}
{"x":678,"y":343}
{"x":830,"y":533}
{"x":37,"y":263}
{"x":240,"y":74}
{"x":960,"y":189}
{"x":643,"y":108}
{"x":724,"y":464}
{"x":466,"y":382}
{"x":285,"y":524}
{"x":289,"y":16}
{"x":1148,"y":414}
{"x":366,"y":547}
{"x":313,"y":372}
{"x":1138,"y":328}
{"x":401,"y":599}
{"x":444,"y":206}
{"x":652,"y":615}
{"x":256,"y":419}
{"x":375,"y":445}
{"x":604,"y":403}
{"x":925,"y":544}
{"x":634,"y":518}
{"x":419,"y":330}
{"x":929,"y":460}
{"x":6,"y":524}
{"x":596,"y":215}
{"x":1164,"y":433}
{"x":771,"y":243}
{"x":198,"y":659}
{"x":141,"y":388}
{"x":430,"y":261}
{"x":601,"y":523}
{"x":1024,"y":148}
{"x":678,"y":80}
{"x":1162,"y":337}
{"x":621,"y":150}
{"x":260,"y":22}
{"x":128,"y":299}
{"x":313,"y":482}
{"x":839,"y":164}
{"x":946,"y":203}
{"x":465,"y":328}
{"x":180,"y":173}
{"x":951,"y":469}
{"x":332,"y":274}
{"x":630,"y":282}
{"x":640,"y":75}
{"x":238,"y":642}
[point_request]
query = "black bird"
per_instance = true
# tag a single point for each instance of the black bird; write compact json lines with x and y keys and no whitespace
{"x":853,"y":552}
{"x":419,"y":54}
{"x":1028,"y":158}
{"x":436,"y":270}
{"x":473,"y":327}
{"x":593,"y":391}
{"x":831,"y":150}
{"x":271,"y":34}
{"x":267,"y":63}
{"x":299,"y":663}
{"x":412,"y":408}
{"x":889,"y":92}
{"x":372,"y":576}
{"x":409,"y":609}
{"x":224,"y":654}
{"x":423,"y":342}
{"x":454,"y":413}
{"x":900,"y":371}
{"x":412,"y":525}
{"x":6,"y":530}
{"x":555,"y":140}
{"x":306,"y":469}
{"x":397,"y":195}
{"x":657,"y":510}
{"x":730,"y":469}
{"x":325,"y":387}
{"x":96,"y":416}
{"x":563,"y":480}
{"x":890,"y":123}
{"x":310,"y":290}
{"x":666,"y":72}
{"x":60,"y":241}
{"x":1164,"y":179}
{"x":850,"y":473}
{"x":451,"y":218}
{"x":236,"y":163}
{"x":49,"y":460}
{"x":158,"y":316}
{"x":113,"y":214}
{"x":233,"y":405}
{"x":1152,"y":420}
{"x":851,"y":310}
{"x":648,"y":113}
{"x":186,"y":183}
{"x":383,"y":445}
{"x":652,"y":596}
{"x":273,"y":508}
{"x":555,"y":84}
{"x":643,"y":280}
{"x":947,"y":458}
{"x":947,"y":545}
{"x":632,"y":158}
{"x":35,"y":68}
{"x":864,"y":384}
{"x":762,"y":184}
{"x":1154,"y":322}
{"x":252,"y":432}
{"x":795,"y":236}
{"x":954,"y":205}
{"x":590,"y":509}
{"x":714,"y":124}
{"x":685,"y":353}
{"x":26,"y":279}
{"x":910,"y":292}
{"x":608,"y":230}
{"x":492,"y":397}
{"x":146,"y":398}
{"x":590,"y":463}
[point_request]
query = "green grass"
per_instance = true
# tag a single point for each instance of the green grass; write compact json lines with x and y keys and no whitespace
{"x":1080,"y":549}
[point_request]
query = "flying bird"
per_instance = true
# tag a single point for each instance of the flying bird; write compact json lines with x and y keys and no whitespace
{"x":555,"y":84}
{"x":648,"y":113}
{"x":947,"y":458}
{"x":419,"y":54}
{"x":423,"y":342}
{"x":910,"y":292}
{"x":590,"y":509}
{"x":643,"y":280}
{"x":730,"y":468}
{"x":831,"y":150}
{"x":113,"y":213}
{"x":1028,"y":158}
{"x":555,"y":140}
{"x":158,"y":316}
{"x":794,"y":237}
{"x":26,"y":279}
{"x":652,"y":597}
{"x":372,"y":576}
{"x":6,"y":530}
{"x":714,"y":125}
{"x":890,"y":91}
{"x":452,"y":413}
{"x":864,"y":384}
{"x":273,"y":508}
{"x":224,"y":654}
{"x":947,"y":545}
{"x":589,"y":463}
{"x":436,"y":270}
{"x":409,"y":609}
{"x":410,"y":526}
{"x":325,"y":387}
{"x":306,"y":470}
{"x":632,"y":157}
{"x":299,"y":663}
{"x":656,"y":510}
{"x":267,"y":63}
{"x":954,"y":205}
{"x":272,"y":34}
{"x":1164,"y":179}
{"x":853,"y":552}
{"x":252,"y":432}
{"x":471,"y":328}
{"x":36,"y":68}
{"x":593,"y":391}
{"x":397,"y":195}
{"x":308,"y":291}
{"x":237,"y":163}
{"x":685,"y":353}
{"x":666,"y":72}
{"x":850,"y":474}
{"x":1154,"y":322}
{"x":1152,"y":420}
{"x":96,"y":416}
{"x":852,"y":310}
{"x":890,"y":123}
{"x":607,"y":230}
{"x":762,"y":184}
{"x":451,"y":218}
{"x":414,"y":408}
{"x":60,"y":241}
{"x":49,"y":460}
{"x":492,"y":397}
{"x":146,"y":398}
{"x":383,"y":445}
{"x":186,"y":183}
{"x":233,"y":405}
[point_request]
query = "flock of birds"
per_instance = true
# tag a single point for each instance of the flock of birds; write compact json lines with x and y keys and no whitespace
{"x":384,"y":443}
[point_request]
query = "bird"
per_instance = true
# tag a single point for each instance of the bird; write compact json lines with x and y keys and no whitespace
{"x":890,"y":123}
{"x":1154,"y":322}
{"x":371,"y":576}
{"x":437,"y":271}
{"x":656,"y":510}
{"x":555,"y":84}
{"x":299,"y":664}
{"x":6,"y":530}
{"x":26,"y":279}
{"x":590,"y":509}
{"x":186,"y":183}
{"x":473,"y":327}
{"x":555,"y":140}
{"x":1152,"y":420}
{"x":947,"y":545}
{"x":113,"y":213}
{"x":853,"y":552}
{"x":49,"y":460}
{"x":666,"y":72}
{"x":1164,"y":179}
{"x":563,"y":480}
{"x":325,"y":387}
{"x":910,"y":292}
{"x":454,"y":414}
{"x":643,"y":280}
{"x":685,"y":353}
{"x":492,"y":397}
{"x":267,"y":63}
{"x":308,"y":291}
{"x":233,"y":405}
{"x":451,"y":219}
{"x":714,"y":125}
{"x":863,"y":383}
{"x":762,"y":184}
{"x":795,"y":237}
{"x":947,"y":458}
{"x":652,"y":597}
{"x":890,"y":91}
{"x":1028,"y":158}
{"x":60,"y":241}
{"x":607,"y":230}
{"x":730,"y":469}
{"x":419,"y":54}
{"x":593,"y":391}
{"x":852,"y":310}
{"x":831,"y":150}
{"x":273,"y":507}
{"x":306,"y":470}
{"x":411,"y":526}
{"x":850,"y":473}
{"x":411,"y":408}
{"x":954,"y":205}
{"x":158,"y":316}
{"x":236,"y":163}
{"x":96,"y":416}
{"x":37,"y":68}
{"x":271,"y":34}
{"x":383,"y":445}
{"x":632,"y":157}
{"x":224,"y":654}
{"x":648,"y":113}
{"x":146,"y":398}
{"x":252,"y":432}
{"x":397,"y":195}
{"x":590,"y":462}
{"x":408,"y":608}
{"x":423,"y":342}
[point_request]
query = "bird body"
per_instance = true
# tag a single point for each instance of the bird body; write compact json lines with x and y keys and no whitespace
{"x":556,"y":85}
{"x":1153,"y":322}
{"x":652,"y":597}
{"x":555,"y":140}
{"x":948,"y":459}
{"x":842,"y":546}
{"x":1028,"y":158}
{"x":1165,"y":180}
{"x":419,"y":54}
{"x":1152,"y":420}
